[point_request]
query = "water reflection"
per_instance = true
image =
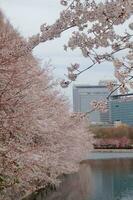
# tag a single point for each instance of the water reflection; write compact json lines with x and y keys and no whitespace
{"x":98,"y":180}
{"x":111,"y":180}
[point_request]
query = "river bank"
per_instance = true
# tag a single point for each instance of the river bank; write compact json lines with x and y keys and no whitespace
{"x":100,"y":177}
{"x":113,"y":150}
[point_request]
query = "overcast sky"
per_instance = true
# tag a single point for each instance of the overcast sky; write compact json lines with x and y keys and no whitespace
{"x":28,"y":15}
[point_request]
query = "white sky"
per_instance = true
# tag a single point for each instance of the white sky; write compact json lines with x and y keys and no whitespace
{"x":28,"y":15}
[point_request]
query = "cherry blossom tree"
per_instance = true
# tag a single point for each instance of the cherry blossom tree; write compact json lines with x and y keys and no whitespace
{"x":97,"y":28}
{"x":94,"y":26}
{"x":39,"y":138}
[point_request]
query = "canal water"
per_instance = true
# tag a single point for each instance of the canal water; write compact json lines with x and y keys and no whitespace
{"x":103,"y":176}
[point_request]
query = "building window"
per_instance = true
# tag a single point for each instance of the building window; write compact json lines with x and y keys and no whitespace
{"x":117,"y":106}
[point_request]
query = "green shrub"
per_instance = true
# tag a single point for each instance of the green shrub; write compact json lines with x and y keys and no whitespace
{"x":112,"y":132}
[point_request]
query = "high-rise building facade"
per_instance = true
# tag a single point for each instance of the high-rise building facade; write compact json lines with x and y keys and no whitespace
{"x":83,"y":95}
{"x":121,"y":109}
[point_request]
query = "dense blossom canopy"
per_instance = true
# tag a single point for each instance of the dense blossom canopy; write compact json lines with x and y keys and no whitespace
{"x":39,"y":138}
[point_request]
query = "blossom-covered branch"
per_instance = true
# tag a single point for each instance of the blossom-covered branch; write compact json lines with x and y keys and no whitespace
{"x":96,"y":28}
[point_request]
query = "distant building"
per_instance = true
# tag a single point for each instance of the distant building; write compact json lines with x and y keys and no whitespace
{"x":83,"y":95}
{"x":121,"y":109}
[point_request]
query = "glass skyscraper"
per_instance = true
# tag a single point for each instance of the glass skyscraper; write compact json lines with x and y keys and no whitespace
{"x":121,"y":109}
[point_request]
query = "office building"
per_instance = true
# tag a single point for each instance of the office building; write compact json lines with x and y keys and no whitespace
{"x":121,"y":109}
{"x":83,"y":95}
